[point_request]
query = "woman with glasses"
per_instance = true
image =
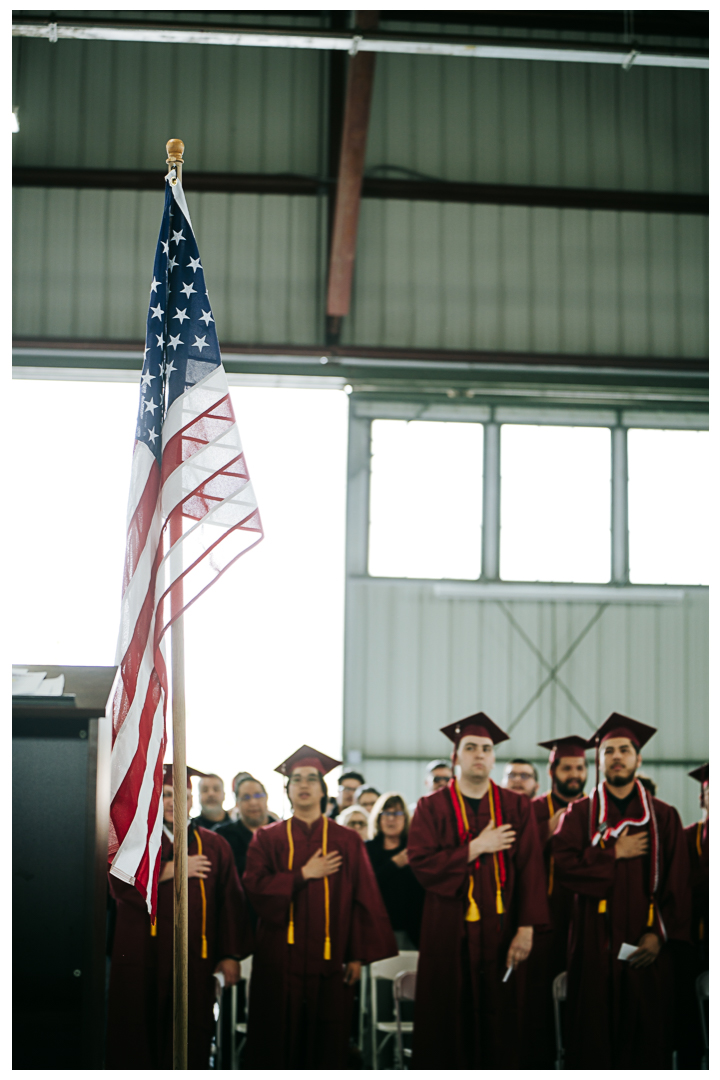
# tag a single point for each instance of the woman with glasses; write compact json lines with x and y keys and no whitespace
{"x":400,"y":889}
{"x":354,"y":817}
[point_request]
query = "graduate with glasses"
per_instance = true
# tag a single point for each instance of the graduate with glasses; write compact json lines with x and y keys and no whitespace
{"x":320,"y":918}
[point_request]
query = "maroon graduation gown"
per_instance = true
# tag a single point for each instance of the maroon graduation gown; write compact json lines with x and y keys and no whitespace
{"x":693,"y":959}
{"x":465,"y":1016}
{"x":139,"y":1029}
{"x":619,"y":1017}
{"x":697,"y":838}
{"x":549,"y":953}
{"x":300,"y":1008}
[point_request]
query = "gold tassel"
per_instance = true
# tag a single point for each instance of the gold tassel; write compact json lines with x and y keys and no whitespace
{"x":153,"y":928}
{"x":291,"y":923}
{"x":651,"y":914}
{"x":551,"y":876}
{"x":602,"y":907}
{"x":326,"y":951}
{"x":203,"y":938}
{"x":473,"y":912}
{"x":498,"y":901}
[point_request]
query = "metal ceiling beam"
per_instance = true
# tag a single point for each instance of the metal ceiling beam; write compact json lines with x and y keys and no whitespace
{"x":568,"y":198}
{"x":352,"y":42}
{"x":346,"y":220}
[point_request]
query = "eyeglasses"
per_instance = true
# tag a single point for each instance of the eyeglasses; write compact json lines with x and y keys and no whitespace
{"x":440,"y":781}
{"x":257,"y":795}
{"x":521,"y":776}
{"x":393,"y":813}
{"x":315,"y":779}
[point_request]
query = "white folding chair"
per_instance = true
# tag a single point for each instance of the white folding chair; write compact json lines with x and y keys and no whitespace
{"x":702,"y":989}
{"x":403,"y":990}
{"x":559,"y":993}
{"x":405,"y":961}
{"x":240,"y":1028}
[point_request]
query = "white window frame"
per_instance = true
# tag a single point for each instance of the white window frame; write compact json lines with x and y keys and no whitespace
{"x":489,"y":585}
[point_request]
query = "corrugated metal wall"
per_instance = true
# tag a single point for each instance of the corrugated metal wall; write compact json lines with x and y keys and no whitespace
{"x":428,"y":274}
{"x":536,"y":279}
{"x":530,"y":122}
{"x":83,"y":262}
{"x":415,"y":662}
{"x":113,"y":105}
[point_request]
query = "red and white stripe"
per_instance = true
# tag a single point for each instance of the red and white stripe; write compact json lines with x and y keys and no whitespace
{"x":187,"y":522}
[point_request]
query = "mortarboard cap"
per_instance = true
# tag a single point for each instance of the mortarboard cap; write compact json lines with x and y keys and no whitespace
{"x":567,"y":746}
{"x":701,"y":774}
{"x":477,"y":724}
{"x":617,"y":726}
{"x":168,"y":774}
{"x":307,"y":756}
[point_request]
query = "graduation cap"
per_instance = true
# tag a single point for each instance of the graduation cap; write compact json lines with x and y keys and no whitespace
{"x":168,"y":774}
{"x":307,"y":756}
{"x":567,"y":746}
{"x":618,"y":726}
{"x":477,"y":724}
{"x":701,"y":774}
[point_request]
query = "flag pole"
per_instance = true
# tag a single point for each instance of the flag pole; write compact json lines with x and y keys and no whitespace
{"x":175,"y":149}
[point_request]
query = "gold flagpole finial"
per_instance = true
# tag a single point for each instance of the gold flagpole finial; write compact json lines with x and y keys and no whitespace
{"x":175,"y":149}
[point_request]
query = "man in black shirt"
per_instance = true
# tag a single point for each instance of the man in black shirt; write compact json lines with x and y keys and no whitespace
{"x":252,"y":813}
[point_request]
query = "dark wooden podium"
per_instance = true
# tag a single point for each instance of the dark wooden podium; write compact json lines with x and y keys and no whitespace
{"x":61,"y":802}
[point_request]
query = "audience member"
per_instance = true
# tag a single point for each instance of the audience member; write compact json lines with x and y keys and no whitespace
{"x":320,"y":918}
{"x":234,"y":812}
{"x":521,"y":776}
{"x":438,"y":774}
{"x":366,"y":796}
{"x":348,"y":784}
{"x":253,"y":812}
{"x":211,"y":793}
{"x":354,"y":817}
{"x":387,"y":848}
{"x":140,"y":1000}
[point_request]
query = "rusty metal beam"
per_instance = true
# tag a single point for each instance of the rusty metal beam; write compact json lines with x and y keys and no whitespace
{"x":361,"y":70}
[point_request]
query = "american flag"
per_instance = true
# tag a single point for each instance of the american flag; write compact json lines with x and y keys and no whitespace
{"x":191,"y":514}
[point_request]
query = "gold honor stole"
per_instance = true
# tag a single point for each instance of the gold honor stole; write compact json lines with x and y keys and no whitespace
{"x":473,"y":912}
{"x":327,"y":952}
{"x":203,"y":943}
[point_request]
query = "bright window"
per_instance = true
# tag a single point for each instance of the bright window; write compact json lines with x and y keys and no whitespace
{"x":555,"y":503}
{"x":264,"y":645}
{"x":669,"y":496}
{"x":426,"y":499}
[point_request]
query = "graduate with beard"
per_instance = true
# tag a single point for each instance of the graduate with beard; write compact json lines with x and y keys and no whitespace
{"x":622,"y":852}
{"x":473,"y":846}
{"x":320,"y":918}
{"x":140,"y":999}
{"x":568,"y":776}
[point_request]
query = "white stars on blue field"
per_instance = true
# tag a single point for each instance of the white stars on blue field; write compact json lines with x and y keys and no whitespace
{"x":167,"y":372}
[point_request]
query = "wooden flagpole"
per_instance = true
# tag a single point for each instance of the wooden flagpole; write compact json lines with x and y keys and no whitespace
{"x":175,"y":149}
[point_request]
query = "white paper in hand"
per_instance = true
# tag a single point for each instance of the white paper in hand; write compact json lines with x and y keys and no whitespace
{"x":626,"y":951}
